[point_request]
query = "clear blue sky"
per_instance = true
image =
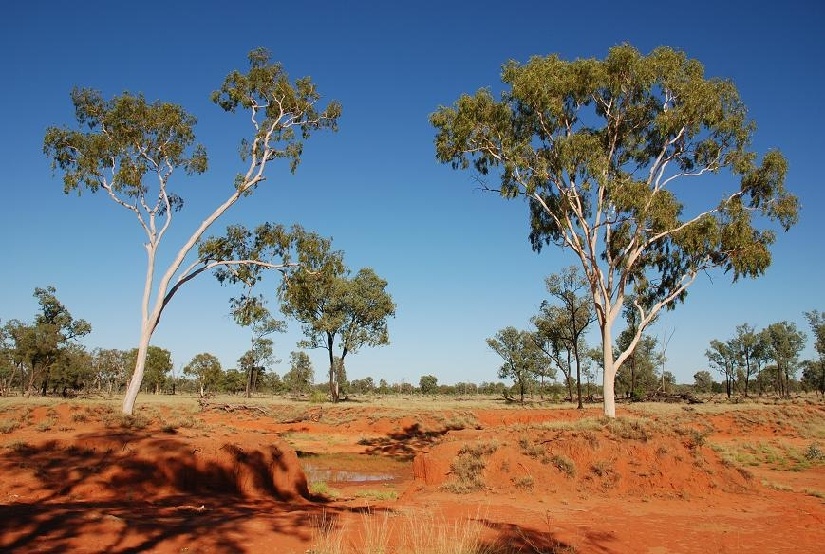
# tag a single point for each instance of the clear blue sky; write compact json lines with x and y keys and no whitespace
{"x":457,"y":260}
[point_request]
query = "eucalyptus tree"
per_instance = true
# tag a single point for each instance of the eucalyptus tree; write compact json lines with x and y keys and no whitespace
{"x":752,"y":350}
{"x":37,"y":349}
{"x":158,"y":366}
{"x":206,"y":369}
{"x":702,"y":381}
{"x":110,"y":367}
{"x":72,"y":370}
{"x":784,"y":343}
{"x":251,"y":311}
{"x":561,"y":325}
{"x":724,"y":357}
{"x":549,"y":334}
{"x":8,"y":366}
{"x":428,"y":384}
{"x":301,"y":375}
{"x":638,"y":373}
{"x":813,"y":372}
{"x":523,"y":360}
{"x":130,"y":148}
{"x":332,"y":306}
{"x":598,"y":149}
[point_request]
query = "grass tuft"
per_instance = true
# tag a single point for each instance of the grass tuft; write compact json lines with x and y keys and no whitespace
{"x":468,"y":467}
{"x":564,"y":464}
{"x":8,"y":426}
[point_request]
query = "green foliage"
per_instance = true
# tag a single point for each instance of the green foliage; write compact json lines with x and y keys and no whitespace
{"x":702,"y":381}
{"x":233,"y":381}
{"x":110,"y":367}
{"x":301,"y":375}
{"x":561,"y":325}
{"x":428,"y":384}
{"x":158,"y":366}
{"x":206,"y":369}
{"x":722,"y":356}
{"x":332,"y":306}
{"x":813,"y":371}
{"x":45,"y":352}
{"x":130,"y":148}
{"x":784,"y":342}
{"x":751,"y":351}
{"x":288,"y":109}
{"x":126,"y":139}
{"x":523,"y":359}
{"x":638,"y":375}
{"x":596,"y":147}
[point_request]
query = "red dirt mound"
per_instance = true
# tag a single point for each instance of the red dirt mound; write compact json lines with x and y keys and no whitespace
{"x":626,"y":459}
{"x":143,"y":466}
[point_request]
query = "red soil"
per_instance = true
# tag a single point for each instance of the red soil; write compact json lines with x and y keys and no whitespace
{"x":76,"y":477}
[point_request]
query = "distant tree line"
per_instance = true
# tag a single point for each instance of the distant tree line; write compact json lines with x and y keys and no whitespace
{"x":767,"y":361}
{"x":549,"y":360}
{"x":552,"y":357}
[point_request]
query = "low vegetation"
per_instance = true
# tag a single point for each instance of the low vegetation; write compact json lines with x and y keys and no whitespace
{"x":467,"y":469}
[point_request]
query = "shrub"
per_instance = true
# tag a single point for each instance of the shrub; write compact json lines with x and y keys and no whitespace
{"x":525,"y":482}
{"x":8,"y":426}
{"x":814,"y":453}
{"x":468,"y":467}
{"x":564,"y":464}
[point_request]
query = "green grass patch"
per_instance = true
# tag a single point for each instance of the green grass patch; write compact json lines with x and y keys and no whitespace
{"x":321,"y":488}
{"x":377,"y":494}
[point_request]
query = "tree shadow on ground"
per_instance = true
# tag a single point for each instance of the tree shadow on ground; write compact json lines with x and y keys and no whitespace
{"x":511,"y":538}
{"x":131,"y":492}
{"x":403,"y":445}
{"x":118,"y":463}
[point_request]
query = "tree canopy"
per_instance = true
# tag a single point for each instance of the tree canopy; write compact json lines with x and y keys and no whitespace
{"x":331,"y":306}
{"x":45,"y":351}
{"x":523,"y":359}
{"x":130,"y":148}
{"x":206,"y":369}
{"x":599,"y":148}
{"x":562,"y":323}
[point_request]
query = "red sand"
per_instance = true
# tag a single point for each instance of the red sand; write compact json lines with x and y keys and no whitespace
{"x":76,"y":479}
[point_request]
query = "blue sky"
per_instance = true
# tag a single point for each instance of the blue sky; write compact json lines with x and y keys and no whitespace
{"x":457,"y":260}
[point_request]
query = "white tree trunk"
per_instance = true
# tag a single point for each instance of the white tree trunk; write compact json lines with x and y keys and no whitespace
{"x":137,"y":376}
{"x":609,"y":392}
{"x":610,"y":368}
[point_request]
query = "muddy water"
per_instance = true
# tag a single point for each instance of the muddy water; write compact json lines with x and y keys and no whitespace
{"x":315,"y":473}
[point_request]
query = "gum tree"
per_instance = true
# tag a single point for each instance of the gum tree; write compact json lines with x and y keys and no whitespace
{"x":130,"y":148}
{"x":752,"y":351}
{"x":561,"y":325}
{"x":602,"y":150}
{"x":813,"y":373}
{"x":43,"y":347}
{"x":336,"y":312}
{"x":206,"y":369}
{"x":523,"y":359}
{"x":784,"y":342}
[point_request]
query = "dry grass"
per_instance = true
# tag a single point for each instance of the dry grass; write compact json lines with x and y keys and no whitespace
{"x":8,"y":426}
{"x":467,"y":469}
{"x":414,"y":532}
